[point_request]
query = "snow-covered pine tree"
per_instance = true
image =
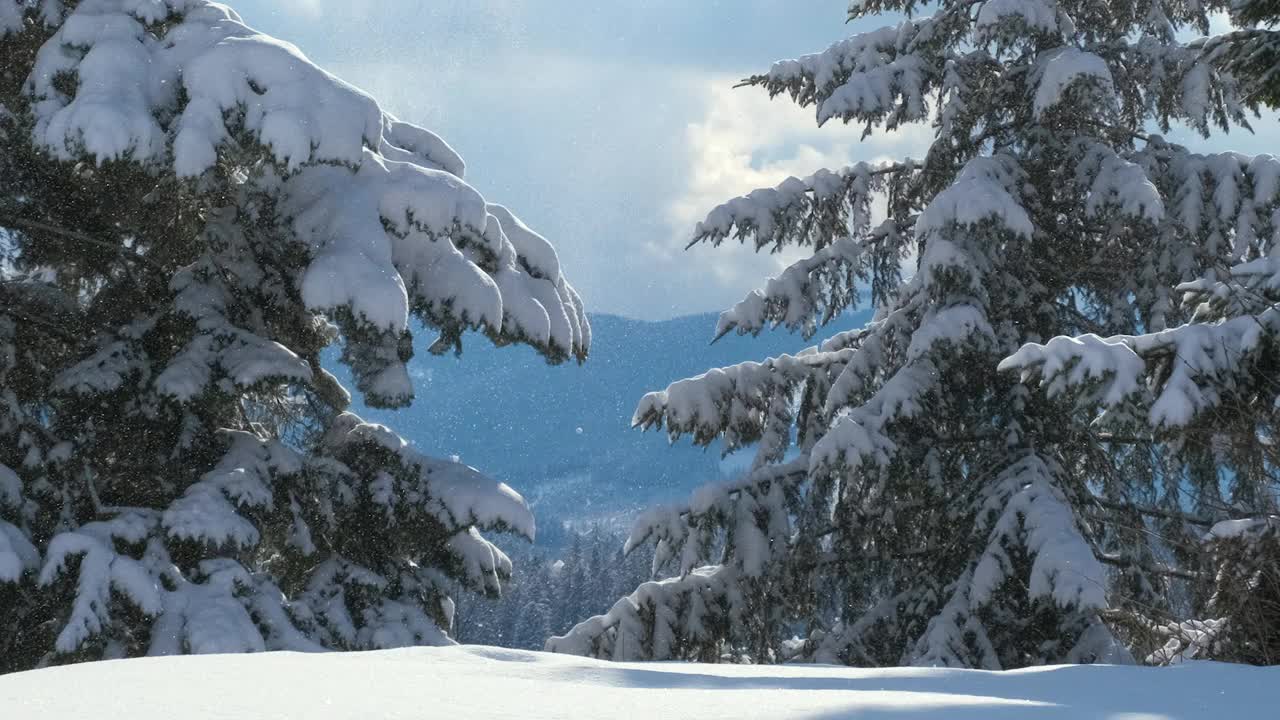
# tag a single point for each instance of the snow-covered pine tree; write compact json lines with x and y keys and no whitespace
{"x":190,"y":212}
{"x":569,"y":590}
{"x":534,"y":615}
{"x":1205,"y":390}
{"x":946,"y":513}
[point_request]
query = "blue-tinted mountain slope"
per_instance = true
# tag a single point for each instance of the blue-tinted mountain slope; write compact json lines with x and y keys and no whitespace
{"x":562,"y":435}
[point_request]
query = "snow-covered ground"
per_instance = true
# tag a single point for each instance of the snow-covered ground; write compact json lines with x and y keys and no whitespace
{"x":475,"y":683}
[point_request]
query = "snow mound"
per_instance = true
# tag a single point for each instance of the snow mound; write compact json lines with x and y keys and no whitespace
{"x":495,"y":683}
{"x":1063,"y":67}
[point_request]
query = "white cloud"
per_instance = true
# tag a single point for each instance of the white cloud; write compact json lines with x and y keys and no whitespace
{"x":745,"y":141}
{"x":306,"y":8}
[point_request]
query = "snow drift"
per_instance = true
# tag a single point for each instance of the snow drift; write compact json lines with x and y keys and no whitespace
{"x":495,"y":683}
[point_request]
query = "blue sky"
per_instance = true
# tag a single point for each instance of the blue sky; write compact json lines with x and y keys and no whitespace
{"x":610,"y":127}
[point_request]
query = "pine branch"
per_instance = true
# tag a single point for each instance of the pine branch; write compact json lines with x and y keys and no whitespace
{"x":793,"y":472}
{"x":101,"y":509}
{"x":1155,"y":512}
{"x":41,"y":227}
{"x":830,"y":559}
{"x":54,"y":329}
{"x":1164,"y":570}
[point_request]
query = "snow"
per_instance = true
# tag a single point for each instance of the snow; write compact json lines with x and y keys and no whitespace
{"x":10,"y":16}
{"x":495,"y":684}
{"x":683,"y":610}
{"x":206,"y":511}
{"x":755,"y":212}
{"x":481,"y":560}
{"x":205,"y":514}
{"x":1241,"y":528}
{"x":1115,"y":367}
{"x":1069,"y":362}
{"x":863,"y":75}
{"x":1039,"y":15}
{"x":1196,"y":95}
{"x":1187,"y":640}
{"x":720,"y":401}
{"x":860,"y":435}
{"x":1265,"y":171}
{"x":956,"y":324}
{"x":793,"y":297}
{"x":1125,"y":186}
{"x":17,"y":554}
{"x":102,"y":573}
{"x":104,"y":371}
{"x":10,"y":488}
{"x":875,"y":89}
{"x":206,"y":618}
{"x":1064,"y":67}
{"x":980,"y":192}
{"x":1064,"y":567}
{"x":458,"y":495}
{"x":226,"y":70}
{"x":345,"y":218}
{"x":539,"y":255}
{"x":293,"y":107}
{"x":470,"y":498}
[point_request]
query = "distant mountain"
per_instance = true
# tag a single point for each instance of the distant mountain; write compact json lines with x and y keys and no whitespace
{"x":562,"y":435}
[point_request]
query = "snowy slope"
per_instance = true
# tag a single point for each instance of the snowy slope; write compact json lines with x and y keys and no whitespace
{"x":490,"y":683}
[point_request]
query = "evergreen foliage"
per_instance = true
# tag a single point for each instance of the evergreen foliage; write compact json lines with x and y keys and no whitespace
{"x":190,"y":213}
{"x":1251,"y":52}
{"x":912,"y":500}
{"x":550,"y":591}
